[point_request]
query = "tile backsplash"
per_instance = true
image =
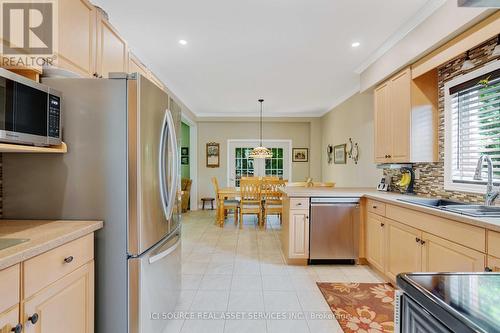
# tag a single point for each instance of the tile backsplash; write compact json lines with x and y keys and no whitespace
{"x":431,"y":182}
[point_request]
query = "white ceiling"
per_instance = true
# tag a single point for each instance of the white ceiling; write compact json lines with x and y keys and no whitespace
{"x":296,"y":54}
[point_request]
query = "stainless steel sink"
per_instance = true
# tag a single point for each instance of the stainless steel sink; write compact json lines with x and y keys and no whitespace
{"x":8,"y":242}
{"x":475,"y":210}
{"x":437,"y":203}
{"x":456,"y":207}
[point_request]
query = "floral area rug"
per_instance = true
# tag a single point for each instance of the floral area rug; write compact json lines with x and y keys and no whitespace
{"x":361,"y":307}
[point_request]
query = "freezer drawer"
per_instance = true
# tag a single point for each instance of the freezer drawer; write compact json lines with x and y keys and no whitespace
{"x":154,"y":285}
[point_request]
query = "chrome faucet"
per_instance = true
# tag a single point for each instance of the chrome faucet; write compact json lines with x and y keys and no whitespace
{"x":491,"y":195}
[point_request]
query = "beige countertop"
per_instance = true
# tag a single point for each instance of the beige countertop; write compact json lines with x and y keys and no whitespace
{"x":392,"y":198}
{"x":43,"y":236}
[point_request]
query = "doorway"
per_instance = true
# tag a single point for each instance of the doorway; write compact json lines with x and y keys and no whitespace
{"x":188,"y":157}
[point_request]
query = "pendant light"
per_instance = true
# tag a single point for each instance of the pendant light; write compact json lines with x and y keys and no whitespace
{"x":468,"y":64}
{"x":496,"y":50}
{"x":261,"y":151}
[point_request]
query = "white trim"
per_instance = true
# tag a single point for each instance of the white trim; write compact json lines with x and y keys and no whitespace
{"x":193,"y":159}
{"x":427,"y":10}
{"x":449,"y":185}
{"x":268,"y":141}
{"x":312,"y":114}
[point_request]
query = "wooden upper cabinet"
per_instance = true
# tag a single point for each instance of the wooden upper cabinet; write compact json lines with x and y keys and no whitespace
{"x":112,"y":50}
{"x":406,"y":119}
{"x":399,"y":114}
{"x":382,"y":120}
{"x":136,"y":66}
{"x":77,"y":37}
{"x":156,"y":80}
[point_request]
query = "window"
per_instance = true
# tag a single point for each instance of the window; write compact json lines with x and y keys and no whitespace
{"x":274,"y":165}
{"x":472,"y":127}
{"x":244,"y":165}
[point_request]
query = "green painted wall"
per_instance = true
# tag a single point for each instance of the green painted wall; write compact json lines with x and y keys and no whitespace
{"x":185,"y":143}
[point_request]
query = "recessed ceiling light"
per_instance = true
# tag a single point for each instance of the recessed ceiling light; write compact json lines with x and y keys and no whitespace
{"x":183,"y":42}
{"x":355,"y":44}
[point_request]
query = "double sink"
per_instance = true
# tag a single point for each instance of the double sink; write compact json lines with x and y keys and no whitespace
{"x":456,"y":207}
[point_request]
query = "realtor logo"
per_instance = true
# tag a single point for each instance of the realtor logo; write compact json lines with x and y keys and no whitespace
{"x":28,"y":32}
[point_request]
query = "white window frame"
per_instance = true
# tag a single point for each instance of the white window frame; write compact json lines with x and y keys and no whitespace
{"x":449,"y":185}
{"x":285,"y":144}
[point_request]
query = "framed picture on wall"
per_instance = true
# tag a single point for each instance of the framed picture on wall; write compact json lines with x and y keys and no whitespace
{"x":213,"y":155}
{"x":185,"y":151}
{"x":300,"y":154}
{"x":185,"y":160}
{"x":339,"y":154}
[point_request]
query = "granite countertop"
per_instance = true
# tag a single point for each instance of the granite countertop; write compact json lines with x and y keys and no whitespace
{"x":43,"y":236}
{"x":391,"y":198}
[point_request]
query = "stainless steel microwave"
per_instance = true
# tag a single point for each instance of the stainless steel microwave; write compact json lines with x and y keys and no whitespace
{"x":30,"y":112}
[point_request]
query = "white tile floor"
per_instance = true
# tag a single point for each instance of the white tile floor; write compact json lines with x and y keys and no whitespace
{"x":231,"y":270}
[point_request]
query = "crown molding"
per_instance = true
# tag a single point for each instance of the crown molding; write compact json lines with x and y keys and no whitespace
{"x":427,"y":10}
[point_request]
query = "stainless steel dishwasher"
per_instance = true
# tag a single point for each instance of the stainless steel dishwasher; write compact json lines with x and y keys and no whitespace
{"x":334,"y":230}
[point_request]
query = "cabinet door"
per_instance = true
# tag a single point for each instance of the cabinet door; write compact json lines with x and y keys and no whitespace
{"x":112,"y":52}
{"x":136,"y":66}
{"x":65,"y":306}
{"x":404,"y":251}
{"x":400,"y":108}
{"x":77,"y":37}
{"x":9,"y":319}
{"x":299,"y":234}
{"x":494,"y":264}
{"x":375,"y":241}
{"x":440,"y":255}
{"x":382,"y":120}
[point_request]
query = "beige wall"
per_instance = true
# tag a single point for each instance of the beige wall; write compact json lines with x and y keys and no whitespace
{"x":351,"y":119}
{"x":220,"y":131}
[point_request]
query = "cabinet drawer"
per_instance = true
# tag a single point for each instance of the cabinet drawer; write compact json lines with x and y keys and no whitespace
{"x":376,"y":207}
{"x":299,"y":203}
{"x":494,"y":243}
{"x":9,"y":287}
{"x":46,"y":268}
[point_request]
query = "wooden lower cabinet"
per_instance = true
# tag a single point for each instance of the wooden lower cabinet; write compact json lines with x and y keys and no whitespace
{"x":493,"y":264}
{"x":299,"y":233}
{"x":404,"y":249}
{"x":375,"y":241}
{"x":9,"y":320}
{"x":440,"y":255}
{"x":67,"y":305}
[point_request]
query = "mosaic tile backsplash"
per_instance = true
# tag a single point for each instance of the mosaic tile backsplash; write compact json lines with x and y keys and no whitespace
{"x":431,"y":182}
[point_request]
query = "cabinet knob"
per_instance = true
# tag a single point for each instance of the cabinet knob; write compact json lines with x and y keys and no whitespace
{"x":382,"y":224}
{"x":299,"y":204}
{"x":374,"y":207}
{"x":68,"y":259}
{"x":17,"y":329}
{"x":422,"y":242}
{"x":417,"y":239}
{"x":34,"y":318}
{"x":487,"y":269}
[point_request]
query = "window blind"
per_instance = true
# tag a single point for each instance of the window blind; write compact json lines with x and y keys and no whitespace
{"x":475,"y":122}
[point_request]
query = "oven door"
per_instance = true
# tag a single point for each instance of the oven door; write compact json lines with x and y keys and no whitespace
{"x":23,"y":112}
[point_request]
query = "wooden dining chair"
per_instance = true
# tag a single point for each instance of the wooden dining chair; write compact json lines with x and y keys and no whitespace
{"x":229,"y":204}
{"x":251,"y":202}
{"x":272,"y":198}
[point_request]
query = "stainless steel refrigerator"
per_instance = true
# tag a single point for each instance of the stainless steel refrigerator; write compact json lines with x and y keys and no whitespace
{"x":122,"y":167}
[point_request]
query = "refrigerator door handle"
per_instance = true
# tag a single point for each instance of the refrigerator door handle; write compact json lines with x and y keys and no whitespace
{"x":174,"y":165}
{"x":165,"y":253}
{"x":161,"y":167}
